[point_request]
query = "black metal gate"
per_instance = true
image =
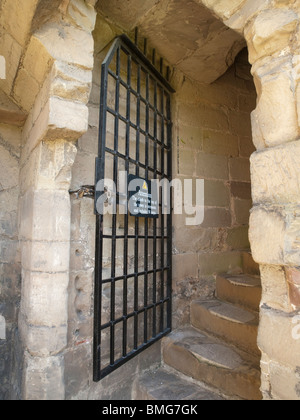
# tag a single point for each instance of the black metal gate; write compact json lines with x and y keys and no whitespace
{"x":133,"y":273}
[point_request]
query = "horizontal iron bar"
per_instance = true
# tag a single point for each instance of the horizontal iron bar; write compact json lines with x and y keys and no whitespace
{"x":132,"y":275}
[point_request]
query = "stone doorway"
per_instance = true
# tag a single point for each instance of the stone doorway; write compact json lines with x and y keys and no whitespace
{"x":46,"y":258}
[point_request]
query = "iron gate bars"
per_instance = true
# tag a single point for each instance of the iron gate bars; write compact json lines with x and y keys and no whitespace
{"x":133,"y":268}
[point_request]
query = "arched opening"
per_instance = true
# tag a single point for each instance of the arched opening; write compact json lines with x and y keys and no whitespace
{"x":212,"y":141}
{"x":48,"y":83}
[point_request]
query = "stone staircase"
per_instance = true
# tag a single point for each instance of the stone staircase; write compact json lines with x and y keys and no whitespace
{"x":216,"y":357}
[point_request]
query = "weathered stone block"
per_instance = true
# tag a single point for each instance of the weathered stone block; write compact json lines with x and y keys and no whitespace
{"x":285,"y":382}
{"x":271,"y":185}
{"x":242,"y":211}
{"x":266,"y":233}
{"x":270,"y":32}
{"x":216,"y":217}
{"x":274,"y":235}
{"x":238,"y":238}
{"x":210,"y":166}
{"x":47,"y":257}
{"x":43,"y":341}
{"x":276,"y":328}
{"x":274,"y":287}
{"x":45,"y":290}
{"x":45,"y":215}
{"x":70,"y":41}
{"x":185,"y":266}
{"x":216,"y":263}
{"x":241,"y":190}
{"x":275,"y":119}
{"x":43,"y":378}
{"x":220,"y":143}
{"x":239,"y":169}
{"x":216,"y":193}
{"x":82,"y":14}
{"x":37,"y":68}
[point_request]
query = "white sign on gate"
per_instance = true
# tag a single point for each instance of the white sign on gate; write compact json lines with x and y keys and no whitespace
{"x":2,"y":67}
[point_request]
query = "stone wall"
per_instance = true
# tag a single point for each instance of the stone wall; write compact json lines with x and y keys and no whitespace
{"x":212,"y":141}
{"x":10,"y":271}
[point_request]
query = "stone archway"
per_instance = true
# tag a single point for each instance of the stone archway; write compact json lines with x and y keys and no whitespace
{"x":62,"y":82}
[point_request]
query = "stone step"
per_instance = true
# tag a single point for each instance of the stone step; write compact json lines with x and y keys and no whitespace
{"x":168,"y":386}
{"x":243,"y":290}
{"x":249,"y":265}
{"x":231,"y":323}
{"x":213,"y":362}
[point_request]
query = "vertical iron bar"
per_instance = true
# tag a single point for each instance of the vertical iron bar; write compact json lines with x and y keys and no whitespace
{"x":163,"y":208}
{"x":100,"y":174}
{"x":114,"y":223}
{"x":154,"y":56}
{"x":145,"y":46}
{"x":125,"y":286}
{"x":169,"y":257}
{"x":155,"y":220}
{"x":146,"y":219}
{"x":136,"y":253}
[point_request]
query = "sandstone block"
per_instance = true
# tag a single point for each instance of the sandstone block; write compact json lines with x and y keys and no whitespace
{"x":274,"y":235}
{"x":275,"y":119}
{"x":210,"y":166}
{"x":82,"y":14}
{"x":285,"y":382}
{"x":227,"y":9}
{"x":71,"y":82}
{"x":270,"y":32}
{"x":274,"y":286}
{"x":43,"y":341}
{"x":185,"y":266}
{"x":47,"y":257}
{"x":276,"y":328}
{"x":17,"y":18}
{"x":10,"y":113}
{"x":220,"y":143}
{"x":238,"y":238}
{"x":37,"y":68}
{"x":216,"y":193}
{"x":43,"y":378}
{"x":65,"y":43}
{"x":242,"y":211}
{"x":45,"y":290}
{"x":8,"y":169}
{"x":45,"y":215}
{"x":224,"y":262}
{"x":239,"y":169}
{"x":275,"y":175}
{"x":266,"y":233}
{"x":216,"y":217}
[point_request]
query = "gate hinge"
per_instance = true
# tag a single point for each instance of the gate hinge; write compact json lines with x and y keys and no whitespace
{"x":84,"y":191}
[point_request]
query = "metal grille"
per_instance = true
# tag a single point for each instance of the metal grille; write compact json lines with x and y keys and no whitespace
{"x":133,"y":273}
